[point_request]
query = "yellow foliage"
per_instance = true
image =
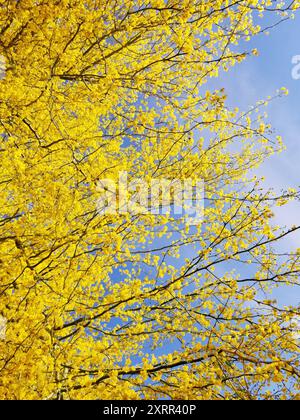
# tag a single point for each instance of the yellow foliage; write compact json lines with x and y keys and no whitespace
{"x":92,"y":301}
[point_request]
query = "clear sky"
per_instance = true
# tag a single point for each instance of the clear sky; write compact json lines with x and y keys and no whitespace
{"x":257,"y":78}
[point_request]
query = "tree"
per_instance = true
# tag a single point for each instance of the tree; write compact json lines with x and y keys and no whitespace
{"x":131,"y":305}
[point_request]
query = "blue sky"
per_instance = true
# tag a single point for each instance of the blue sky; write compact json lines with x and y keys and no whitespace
{"x":255,"y":79}
{"x":259,"y":77}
